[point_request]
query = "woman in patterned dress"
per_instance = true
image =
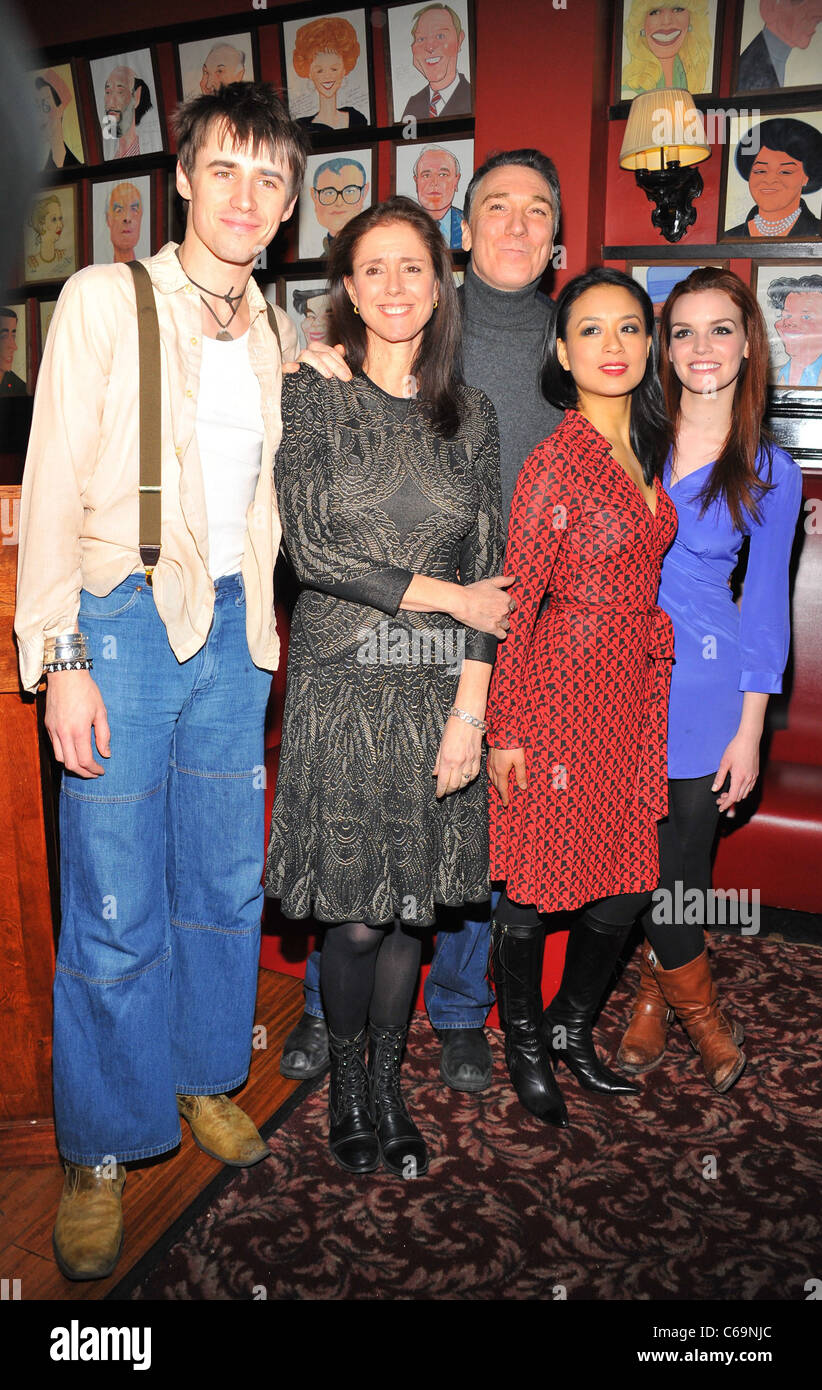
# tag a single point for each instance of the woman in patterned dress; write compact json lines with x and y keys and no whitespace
{"x":388,"y":486}
{"x":577,"y":709}
{"x":728,"y":481}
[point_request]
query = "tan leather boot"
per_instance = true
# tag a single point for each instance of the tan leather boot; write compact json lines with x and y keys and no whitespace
{"x":643,"y":1046}
{"x":88,"y":1232}
{"x":691,"y":992}
{"x":223,"y":1130}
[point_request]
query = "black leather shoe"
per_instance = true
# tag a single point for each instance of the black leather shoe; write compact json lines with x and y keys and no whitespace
{"x":589,"y":961}
{"x":305,"y":1051}
{"x":516,"y":964}
{"x":352,"y":1137}
{"x":402,"y":1148}
{"x":465,"y":1063}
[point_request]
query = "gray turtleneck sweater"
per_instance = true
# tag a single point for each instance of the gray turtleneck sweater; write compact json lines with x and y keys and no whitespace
{"x":502,"y":337}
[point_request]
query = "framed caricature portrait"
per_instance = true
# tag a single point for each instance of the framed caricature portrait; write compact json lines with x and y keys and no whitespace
{"x":127,"y":99}
{"x":430,"y":61}
{"x":337,"y":186}
{"x":790,"y":297}
{"x":14,"y":357}
{"x":327,"y":67}
{"x":121,"y":219}
{"x":778,"y":46}
{"x":51,"y":235}
{"x":436,"y":176}
{"x":772,"y":177}
{"x":658,"y":278}
{"x":58,"y":122}
{"x":672,"y":46}
{"x":308,"y":306}
{"x":206,"y":65}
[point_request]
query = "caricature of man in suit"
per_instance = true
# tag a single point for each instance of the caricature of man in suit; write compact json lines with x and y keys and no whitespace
{"x":436,"y":39}
{"x":437,"y":176}
{"x":787,"y":24}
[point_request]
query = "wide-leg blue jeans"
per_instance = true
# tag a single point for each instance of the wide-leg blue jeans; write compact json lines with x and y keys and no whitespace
{"x":161,"y":862}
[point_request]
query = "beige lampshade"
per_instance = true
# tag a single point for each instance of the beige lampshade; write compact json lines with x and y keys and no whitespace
{"x":663,"y":126}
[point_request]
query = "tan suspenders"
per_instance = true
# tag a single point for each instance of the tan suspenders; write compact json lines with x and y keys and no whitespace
{"x":148,"y":337}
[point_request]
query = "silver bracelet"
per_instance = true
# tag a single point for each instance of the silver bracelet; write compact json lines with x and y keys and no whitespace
{"x":66,"y":646}
{"x":85,"y":665}
{"x":469,"y":719}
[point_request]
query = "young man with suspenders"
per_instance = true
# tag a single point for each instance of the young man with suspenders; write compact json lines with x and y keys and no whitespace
{"x":149,"y":532}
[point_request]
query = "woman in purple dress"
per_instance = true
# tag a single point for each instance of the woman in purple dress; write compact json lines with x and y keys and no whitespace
{"x":728,"y":482}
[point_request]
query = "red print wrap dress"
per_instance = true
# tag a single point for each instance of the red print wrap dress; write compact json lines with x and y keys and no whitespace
{"x":581,"y":682}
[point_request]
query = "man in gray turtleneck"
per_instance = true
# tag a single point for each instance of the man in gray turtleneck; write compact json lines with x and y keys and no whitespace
{"x":511,"y":213}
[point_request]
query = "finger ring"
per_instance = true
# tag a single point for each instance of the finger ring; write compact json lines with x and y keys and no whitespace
{"x":466,"y":777}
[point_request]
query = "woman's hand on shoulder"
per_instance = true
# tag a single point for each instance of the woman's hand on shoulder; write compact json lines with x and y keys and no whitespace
{"x":501,"y":761}
{"x":328,"y":361}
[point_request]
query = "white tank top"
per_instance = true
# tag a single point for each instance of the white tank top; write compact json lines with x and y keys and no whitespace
{"x":229,"y":427}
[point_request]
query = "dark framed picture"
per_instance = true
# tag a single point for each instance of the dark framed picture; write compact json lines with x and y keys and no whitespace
{"x":206,"y":65}
{"x":307,"y":304}
{"x":337,"y":186}
{"x":328,"y":72}
{"x":436,"y":175}
{"x":772,"y":177}
{"x":658,"y":278}
{"x":176,"y":211}
{"x":666,"y":46}
{"x":59,"y":129}
{"x":127,"y":99}
{"x":789,"y":294}
{"x":51,"y":236}
{"x":15,"y":368}
{"x":121,"y":219}
{"x":430,"y":58}
{"x":778,"y":46}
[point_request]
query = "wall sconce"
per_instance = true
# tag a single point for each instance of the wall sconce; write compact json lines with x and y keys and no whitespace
{"x":664,"y":141}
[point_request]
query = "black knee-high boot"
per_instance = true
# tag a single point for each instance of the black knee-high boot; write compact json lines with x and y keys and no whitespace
{"x":516,"y":966}
{"x":593,"y":948}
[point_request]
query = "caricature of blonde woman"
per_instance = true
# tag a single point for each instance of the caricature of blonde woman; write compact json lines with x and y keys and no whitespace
{"x":670,"y":46}
{"x":46,"y":221}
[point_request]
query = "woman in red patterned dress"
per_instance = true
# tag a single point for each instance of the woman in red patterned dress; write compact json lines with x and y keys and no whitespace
{"x":578,"y":703}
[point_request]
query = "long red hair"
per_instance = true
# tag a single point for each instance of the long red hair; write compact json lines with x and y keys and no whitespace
{"x":733,"y":478}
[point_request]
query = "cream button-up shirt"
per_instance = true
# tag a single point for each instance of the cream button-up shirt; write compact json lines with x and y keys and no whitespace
{"x":79,"y":518}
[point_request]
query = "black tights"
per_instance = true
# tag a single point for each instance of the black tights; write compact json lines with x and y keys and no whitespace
{"x":368,"y":972}
{"x":610,"y":915}
{"x":686,"y":840}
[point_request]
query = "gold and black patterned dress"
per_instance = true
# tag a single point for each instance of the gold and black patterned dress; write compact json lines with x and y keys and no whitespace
{"x":370,"y":495}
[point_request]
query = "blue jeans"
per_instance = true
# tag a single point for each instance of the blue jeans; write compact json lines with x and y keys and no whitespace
{"x":161,"y":861}
{"x":457,"y":993}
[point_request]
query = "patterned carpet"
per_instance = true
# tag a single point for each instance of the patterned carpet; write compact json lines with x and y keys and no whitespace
{"x":677,"y":1193}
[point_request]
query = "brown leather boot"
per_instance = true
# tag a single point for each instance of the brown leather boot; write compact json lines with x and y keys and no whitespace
{"x":691,"y":992}
{"x":88,"y":1232}
{"x":223,"y":1130}
{"x":643,"y":1046}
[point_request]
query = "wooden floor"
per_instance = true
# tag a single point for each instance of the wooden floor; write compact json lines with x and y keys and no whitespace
{"x":156,"y":1193}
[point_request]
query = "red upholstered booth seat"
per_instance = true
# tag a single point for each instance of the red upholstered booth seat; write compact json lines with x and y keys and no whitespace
{"x":777,"y":845}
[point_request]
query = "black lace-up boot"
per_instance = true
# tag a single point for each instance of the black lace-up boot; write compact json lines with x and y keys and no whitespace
{"x":593,"y":948}
{"x":402,"y":1147}
{"x":516,"y":966}
{"x":352,"y":1137}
